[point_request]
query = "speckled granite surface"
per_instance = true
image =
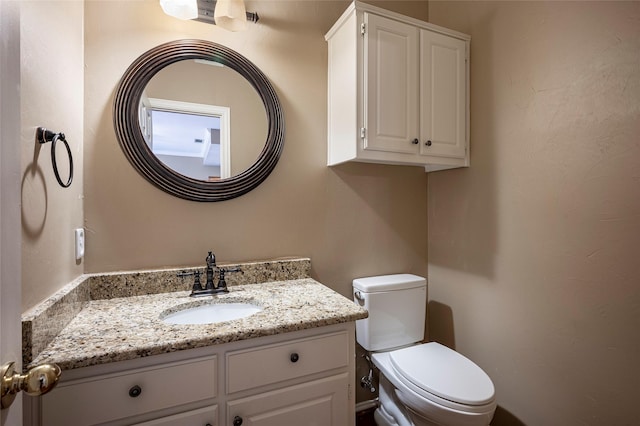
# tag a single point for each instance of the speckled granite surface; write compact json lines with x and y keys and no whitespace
{"x":121,"y":328}
{"x":138,"y":283}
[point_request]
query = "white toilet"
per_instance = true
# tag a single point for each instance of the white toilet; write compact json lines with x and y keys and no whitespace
{"x":420,"y":384}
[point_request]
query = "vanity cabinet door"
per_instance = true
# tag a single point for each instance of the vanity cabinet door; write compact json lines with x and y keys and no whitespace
{"x":321,"y":402}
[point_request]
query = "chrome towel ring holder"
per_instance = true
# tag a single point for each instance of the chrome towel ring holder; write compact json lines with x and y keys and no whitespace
{"x":43,"y":136}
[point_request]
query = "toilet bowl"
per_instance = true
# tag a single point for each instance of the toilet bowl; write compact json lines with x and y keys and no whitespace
{"x":437,"y":385}
{"x":420,"y":384}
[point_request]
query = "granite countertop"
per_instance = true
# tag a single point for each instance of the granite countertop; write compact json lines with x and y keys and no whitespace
{"x":124,"y":328}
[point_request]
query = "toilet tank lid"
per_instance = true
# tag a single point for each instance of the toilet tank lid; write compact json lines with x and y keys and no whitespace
{"x":389,"y":283}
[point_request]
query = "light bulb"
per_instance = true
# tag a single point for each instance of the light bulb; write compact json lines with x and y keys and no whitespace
{"x":181,"y":9}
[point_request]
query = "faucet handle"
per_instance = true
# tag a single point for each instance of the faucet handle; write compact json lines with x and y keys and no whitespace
{"x":222,"y":283}
{"x":197,"y":286}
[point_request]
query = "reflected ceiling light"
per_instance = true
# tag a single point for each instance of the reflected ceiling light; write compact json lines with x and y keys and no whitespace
{"x":181,"y":9}
{"x":230,"y":15}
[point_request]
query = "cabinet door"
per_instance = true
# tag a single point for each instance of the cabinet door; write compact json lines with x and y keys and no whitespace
{"x":443,"y":95}
{"x":321,"y":402}
{"x":391,"y":85}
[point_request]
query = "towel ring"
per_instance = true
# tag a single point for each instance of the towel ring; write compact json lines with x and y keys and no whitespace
{"x":43,"y":136}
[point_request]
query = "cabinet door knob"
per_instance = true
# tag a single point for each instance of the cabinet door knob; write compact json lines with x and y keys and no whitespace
{"x":428,"y":143}
{"x":135,"y":391}
{"x":295,"y":357}
{"x":415,"y":141}
{"x":237,"y":421}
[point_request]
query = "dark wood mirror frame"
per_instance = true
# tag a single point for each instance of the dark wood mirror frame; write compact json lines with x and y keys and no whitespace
{"x":127,"y":126}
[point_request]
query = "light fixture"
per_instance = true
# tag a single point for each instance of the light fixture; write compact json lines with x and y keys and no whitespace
{"x":230,"y":15}
{"x":181,"y":9}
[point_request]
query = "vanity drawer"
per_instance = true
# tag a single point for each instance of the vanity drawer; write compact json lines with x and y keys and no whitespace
{"x":199,"y":417}
{"x":109,"y":397}
{"x":264,"y":365}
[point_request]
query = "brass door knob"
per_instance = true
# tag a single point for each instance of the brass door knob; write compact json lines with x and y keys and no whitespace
{"x":37,"y":381}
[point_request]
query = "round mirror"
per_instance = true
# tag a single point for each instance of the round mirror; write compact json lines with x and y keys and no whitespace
{"x":199,"y":120}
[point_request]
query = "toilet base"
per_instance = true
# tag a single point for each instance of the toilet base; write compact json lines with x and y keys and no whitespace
{"x":392,"y":412}
{"x":382,"y":418}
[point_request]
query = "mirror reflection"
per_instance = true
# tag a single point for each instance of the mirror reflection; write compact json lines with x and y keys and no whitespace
{"x":202,"y":120}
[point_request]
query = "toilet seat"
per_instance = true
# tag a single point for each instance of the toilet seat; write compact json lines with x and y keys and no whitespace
{"x":440,"y":371}
{"x":444,"y":377}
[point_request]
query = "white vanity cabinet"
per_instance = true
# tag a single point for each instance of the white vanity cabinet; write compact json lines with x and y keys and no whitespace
{"x":397,"y":91}
{"x":283,"y":379}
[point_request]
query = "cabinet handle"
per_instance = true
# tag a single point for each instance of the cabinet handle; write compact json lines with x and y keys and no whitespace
{"x":415,"y":141}
{"x":295,"y":357}
{"x":428,"y":143}
{"x":135,"y":391}
{"x":237,"y":421}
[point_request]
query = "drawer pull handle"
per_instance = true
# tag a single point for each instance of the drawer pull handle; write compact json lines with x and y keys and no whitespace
{"x":135,"y":391}
{"x":237,"y":421}
{"x":295,"y":357}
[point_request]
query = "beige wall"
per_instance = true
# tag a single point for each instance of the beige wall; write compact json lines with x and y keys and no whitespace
{"x":352,"y":220}
{"x":533,"y":251}
{"x":51,"y":91}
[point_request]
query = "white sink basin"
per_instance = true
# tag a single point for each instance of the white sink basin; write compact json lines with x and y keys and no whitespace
{"x":212,"y":313}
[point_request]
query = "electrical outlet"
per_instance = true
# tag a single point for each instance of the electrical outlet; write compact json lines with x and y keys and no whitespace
{"x":79,"y":243}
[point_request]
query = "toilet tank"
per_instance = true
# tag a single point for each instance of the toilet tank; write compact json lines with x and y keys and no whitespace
{"x":397,"y":306}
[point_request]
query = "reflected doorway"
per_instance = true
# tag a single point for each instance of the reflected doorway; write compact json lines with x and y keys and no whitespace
{"x":191,"y":139}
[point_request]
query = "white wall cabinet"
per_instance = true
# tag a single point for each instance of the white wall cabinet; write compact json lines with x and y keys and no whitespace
{"x":398,"y":91}
{"x":302,"y":378}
